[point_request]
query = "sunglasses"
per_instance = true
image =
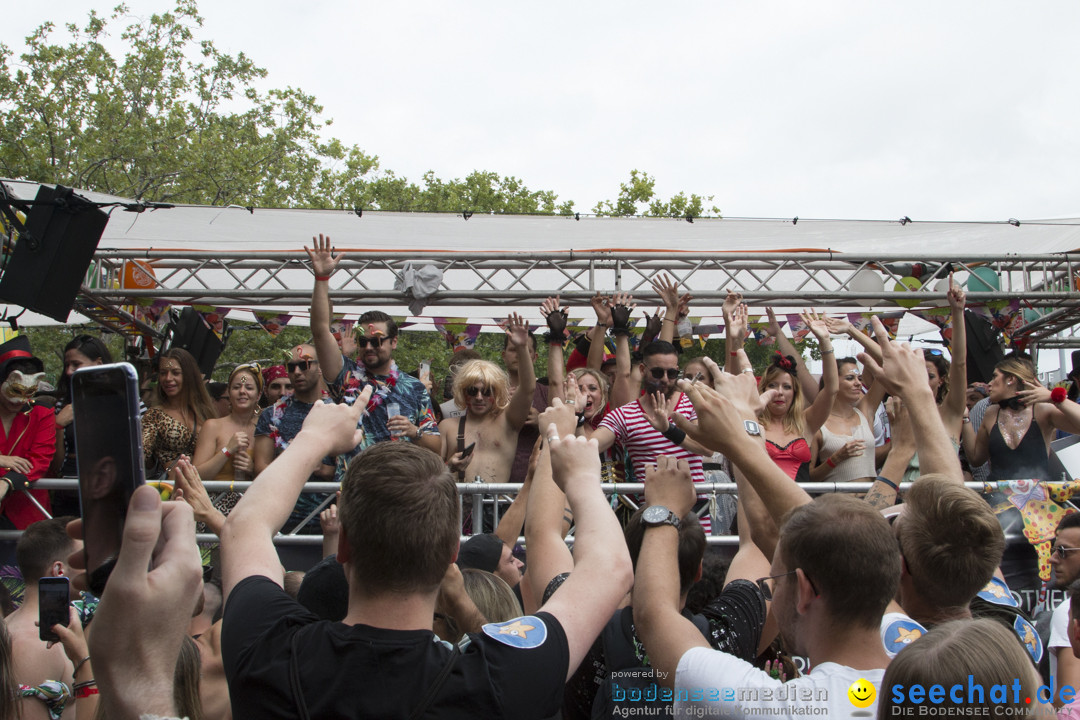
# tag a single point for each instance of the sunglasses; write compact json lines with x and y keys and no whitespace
{"x":658,"y":373}
{"x":376,"y":342}
{"x":932,"y":351}
{"x":475,"y":392}
{"x":301,"y":365}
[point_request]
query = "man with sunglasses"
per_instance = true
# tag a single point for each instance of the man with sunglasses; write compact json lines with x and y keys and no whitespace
{"x":280,"y":423}
{"x":643,"y":427}
{"x":1065,"y":559}
{"x":375,"y":335}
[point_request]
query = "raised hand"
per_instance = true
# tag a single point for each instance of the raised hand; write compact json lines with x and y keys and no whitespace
{"x":817,"y":324}
{"x":738,"y":325}
{"x":573,"y":459}
{"x":902,"y":370}
{"x":668,"y":291}
{"x":517,"y":330}
{"x":656,"y":411}
{"x":684,"y":306}
{"x":336,"y":428}
{"x":554,"y":315}
{"x":957,"y":296}
{"x":323,"y":260}
{"x":560,"y":415}
{"x":621,"y":306}
{"x":602,"y":309}
{"x":773,"y":328}
{"x":653,"y":323}
{"x":723,"y":408}
{"x":732,"y":301}
{"x":838,"y":325}
{"x":670,"y":484}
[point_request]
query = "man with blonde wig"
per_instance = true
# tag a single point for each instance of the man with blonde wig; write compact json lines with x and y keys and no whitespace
{"x":493,"y":417}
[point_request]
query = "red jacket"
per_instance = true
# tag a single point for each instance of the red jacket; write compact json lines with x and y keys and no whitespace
{"x":32,"y":436}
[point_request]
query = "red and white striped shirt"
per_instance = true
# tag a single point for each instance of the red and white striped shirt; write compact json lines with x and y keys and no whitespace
{"x":644,"y":443}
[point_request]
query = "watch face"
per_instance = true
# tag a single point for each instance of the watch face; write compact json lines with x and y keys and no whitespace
{"x":655,"y":514}
{"x":752,"y":428}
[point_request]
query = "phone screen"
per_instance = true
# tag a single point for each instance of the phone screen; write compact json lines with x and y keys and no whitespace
{"x":52,"y":606}
{"x":108,"y":447}
{"x":467,"y":450}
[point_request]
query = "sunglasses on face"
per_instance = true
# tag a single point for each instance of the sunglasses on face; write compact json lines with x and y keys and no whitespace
{"x":476,"y":392}
{"x":376,"y":342}
{"x":658,"y":373}
{"x":301,"y":365}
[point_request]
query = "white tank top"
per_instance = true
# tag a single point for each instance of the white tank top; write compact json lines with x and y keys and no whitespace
{"x":853,"y":468}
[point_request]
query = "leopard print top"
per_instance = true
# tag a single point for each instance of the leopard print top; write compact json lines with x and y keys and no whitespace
{"x":165,"y":439}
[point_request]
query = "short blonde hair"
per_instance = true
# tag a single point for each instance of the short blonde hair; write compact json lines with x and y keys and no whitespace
{"x":484,"y":373}
{"x":491,"y":594}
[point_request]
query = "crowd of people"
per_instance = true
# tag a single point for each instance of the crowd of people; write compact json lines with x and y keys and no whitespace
{"x":838,"y":604}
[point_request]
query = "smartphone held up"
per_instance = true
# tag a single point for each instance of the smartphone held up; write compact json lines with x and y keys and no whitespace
{"x":108,"y":445}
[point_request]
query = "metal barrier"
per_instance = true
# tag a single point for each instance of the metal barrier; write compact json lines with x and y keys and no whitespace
{"x":479,"y":491}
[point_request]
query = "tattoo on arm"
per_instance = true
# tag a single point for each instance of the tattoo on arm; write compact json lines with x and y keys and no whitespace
{"x":880,"y":496}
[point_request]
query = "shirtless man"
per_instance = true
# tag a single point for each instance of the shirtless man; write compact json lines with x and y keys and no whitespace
{"x":493,"y":418}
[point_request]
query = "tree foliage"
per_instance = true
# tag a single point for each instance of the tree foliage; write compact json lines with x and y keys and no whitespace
{"x":638,"y":197}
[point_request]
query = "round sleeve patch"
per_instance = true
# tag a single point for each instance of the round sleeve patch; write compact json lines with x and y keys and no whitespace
{"x":523,"y":632}
{"x":997,"y":592}
{"x":898,"y":634}
{"x":1027,"y":634}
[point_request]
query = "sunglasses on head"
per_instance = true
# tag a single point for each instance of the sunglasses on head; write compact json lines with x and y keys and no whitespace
{"x":658,"y":373}
{"x":475,"y":391}
{"x":376,"y":341}
{"x":301,"y":365}
{"x":932,"y":351}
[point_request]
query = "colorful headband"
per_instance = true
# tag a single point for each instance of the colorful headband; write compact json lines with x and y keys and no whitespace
{"x":785,"y":362}
{"x":254,"y":369}
{"x":274,"y":372}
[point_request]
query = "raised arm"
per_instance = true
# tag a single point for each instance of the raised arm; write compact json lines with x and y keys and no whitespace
{"x":806,"y":380}
{"x":666,"y":633}
{"x":189,"y":488}
{"x":883,"y":492}
{"x":818,"y":411}
{"x":324,"y":262}
{"x":556,"y":336}
{"x":521,"y":401}
{"x":902,"y":373}
{"x":669,"y":296}
{"x":955,"y":402}
{"x":247,"y":539}
{"x":599,"y":331}
{"x":602,"y":572}
{"x":736,"y":329}
{"x":513,"y":519}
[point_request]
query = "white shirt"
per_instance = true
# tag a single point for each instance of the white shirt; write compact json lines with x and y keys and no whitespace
{"x":711,"y":682}
{"x":1059,"y":634}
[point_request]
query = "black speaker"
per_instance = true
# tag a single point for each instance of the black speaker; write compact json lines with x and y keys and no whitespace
{"x":190,"y":332}
{"x":50,"y":259}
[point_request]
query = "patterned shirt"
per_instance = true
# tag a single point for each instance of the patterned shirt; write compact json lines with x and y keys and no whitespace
{"x":281,"y":422}
{"x":644,"y":443}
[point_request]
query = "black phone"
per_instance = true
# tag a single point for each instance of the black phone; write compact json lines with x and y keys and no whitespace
{"x":52,"y":606}
{"x":467,"y":450}
{"x":109,"y":454}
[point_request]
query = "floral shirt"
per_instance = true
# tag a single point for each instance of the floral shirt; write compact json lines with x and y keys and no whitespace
{"x":397,"y":387}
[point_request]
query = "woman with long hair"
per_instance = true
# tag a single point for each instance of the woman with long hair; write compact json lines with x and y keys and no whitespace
{"x":789,"y":423}
{"x":82,"y":351}
{"x":182,"y":407}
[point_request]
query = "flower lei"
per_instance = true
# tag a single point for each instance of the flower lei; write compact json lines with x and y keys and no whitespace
{"x":358,"y":378}
{"x":277,"y":412}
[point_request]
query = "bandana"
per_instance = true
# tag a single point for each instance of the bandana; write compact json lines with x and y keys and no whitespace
{"x":274,"y":372}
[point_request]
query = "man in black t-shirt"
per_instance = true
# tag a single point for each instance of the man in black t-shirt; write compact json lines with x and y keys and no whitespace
{"x":399,"y":534}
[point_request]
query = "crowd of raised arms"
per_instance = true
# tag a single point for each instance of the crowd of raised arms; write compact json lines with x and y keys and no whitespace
{"x":893,"y":595}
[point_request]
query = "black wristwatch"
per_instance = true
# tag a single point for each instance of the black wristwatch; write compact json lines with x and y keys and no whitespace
{"x":657,"y":515}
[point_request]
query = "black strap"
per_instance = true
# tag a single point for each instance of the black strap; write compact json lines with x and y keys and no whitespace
{"x":461,"y":444}
{"x":440,"y":680}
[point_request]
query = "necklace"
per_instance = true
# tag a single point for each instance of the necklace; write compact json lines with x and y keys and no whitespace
{"x":358,"y":379}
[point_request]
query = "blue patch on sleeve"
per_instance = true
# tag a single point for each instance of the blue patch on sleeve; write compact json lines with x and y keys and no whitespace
{"x":997,"y":592}
{"x":523,"y":632}
{"x":901,"y":633}
{"x":1027,"y":634}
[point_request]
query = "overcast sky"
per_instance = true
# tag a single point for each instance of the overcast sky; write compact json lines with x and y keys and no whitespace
{"x":934,"y":110}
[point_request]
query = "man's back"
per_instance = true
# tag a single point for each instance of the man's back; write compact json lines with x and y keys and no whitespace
{"x":277,"y":652}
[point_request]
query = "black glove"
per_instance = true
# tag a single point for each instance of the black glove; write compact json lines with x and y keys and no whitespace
{"x":556,"y":322}
{"x":653,"y":323}
{"x":620,"y":320}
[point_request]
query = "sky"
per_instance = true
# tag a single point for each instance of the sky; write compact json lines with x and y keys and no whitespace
{"x":931,"y":110}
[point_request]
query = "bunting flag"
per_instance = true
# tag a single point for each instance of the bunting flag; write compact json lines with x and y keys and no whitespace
{"x":402,"y":321}
{"x":861,"y":322}
{"x":891,"y":321}
{"x":272,"y":323}
{"x":941,"y":317}
{"x":796,"y":327}
{"x":340,"y":327}
{"x":1006,"y":317}
{"x":759,"y":326}
{"x":458,"y":332}
{"x":152,"y":312}
{"x":214,"y":317}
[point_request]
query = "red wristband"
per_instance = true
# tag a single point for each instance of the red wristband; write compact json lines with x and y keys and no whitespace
{"x":1058,"y":395}
{"x":734,"y":353}
{"x":830,"y":462}
{"x":322,"y":278}
{"x":85,"y":692}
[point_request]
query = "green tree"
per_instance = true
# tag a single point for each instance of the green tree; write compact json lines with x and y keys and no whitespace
{"x":638,"y":197}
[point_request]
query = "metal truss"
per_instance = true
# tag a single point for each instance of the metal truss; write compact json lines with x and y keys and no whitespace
{"x":267,"y":280}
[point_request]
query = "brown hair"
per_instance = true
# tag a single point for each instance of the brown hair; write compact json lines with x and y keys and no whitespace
{"x":9,"y":688}
{"x":186,"y":676}
{"x":951,"y":540}
{"x":399,"y":512}
{"x":193,"y":393}
{"x":487,"y":374}
{"x":691,"y":545}
{"x":42,"y":544}
{"x":849,"y":553}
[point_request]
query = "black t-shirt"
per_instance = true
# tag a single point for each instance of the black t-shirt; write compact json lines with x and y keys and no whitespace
{"x":735,"y":620}
{"x":510,"y":669}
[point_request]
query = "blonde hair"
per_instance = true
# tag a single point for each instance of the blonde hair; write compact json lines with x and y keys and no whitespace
{"x":483,"y":373}
{"x":794,"y":417}
{"x":595,"y":375}
{"x":491,"y":594}
{"x":1020,"y":368}
{"x":981,"y":653}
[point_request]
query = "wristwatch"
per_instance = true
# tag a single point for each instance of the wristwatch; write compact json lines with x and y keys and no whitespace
{"x":657,"y":515}
{"x":752,"y":428}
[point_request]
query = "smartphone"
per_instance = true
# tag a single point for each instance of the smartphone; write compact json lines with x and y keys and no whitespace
{"x":109,"y":454}
{"x":425,"y":372}
{"x":467,"y":450}
{"x":52,"y":606}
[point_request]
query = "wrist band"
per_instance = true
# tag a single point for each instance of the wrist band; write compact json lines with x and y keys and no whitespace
{"x":830,"y":462}
{"x":890,"y":483}
{"x":79,"y":665}
{"x":1058,"y":395}
{"x":827,"y":352}
{"x":85,"y":690}
{"x":674,"y":434}
{"x":580,"y":419}
{"x":226,"y":453}
{"x":322,"y":278}
{"x":734,"y":353}
{"x":617,"y":331}
{"x":553,"y":339}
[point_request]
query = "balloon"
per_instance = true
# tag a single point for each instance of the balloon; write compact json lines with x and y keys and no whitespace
{"x":866,"y":281}
{"x":907,"y":284}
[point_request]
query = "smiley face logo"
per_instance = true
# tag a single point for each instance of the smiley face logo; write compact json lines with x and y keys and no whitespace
{"x":861,"y":693}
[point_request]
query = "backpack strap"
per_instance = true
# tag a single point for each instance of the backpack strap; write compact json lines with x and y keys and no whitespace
{"x":433,"y":690}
